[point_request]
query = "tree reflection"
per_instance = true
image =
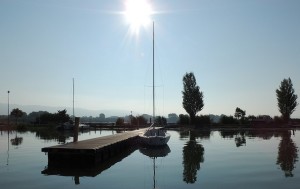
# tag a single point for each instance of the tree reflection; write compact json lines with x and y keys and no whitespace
{"x":238,"y":135}
{"x":287,"y":154}
{"x":240,"y":140}
{"x":192,"y":157}
{"x":16,"y":141}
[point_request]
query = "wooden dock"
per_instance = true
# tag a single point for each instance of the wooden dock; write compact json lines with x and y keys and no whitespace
{"x":89,"y":152}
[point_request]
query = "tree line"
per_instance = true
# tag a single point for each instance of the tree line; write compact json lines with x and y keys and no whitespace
{"x":193,"y":102}
{"x":41,"y":117}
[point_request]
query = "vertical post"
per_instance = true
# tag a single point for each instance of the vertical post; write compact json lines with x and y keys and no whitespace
{"x":8,"y":107}
{"x":153,"y":78}
{"x":73,"y":101}
{"x":76,"y":129}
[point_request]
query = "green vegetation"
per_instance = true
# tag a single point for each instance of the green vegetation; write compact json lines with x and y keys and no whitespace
{"x":287,"y":99}
{"x":120,"y":121}
{"x":239,"y":113}
{"x":17,"y":113}
{"x":160,"y":120}
{"x":192,"y":103}
{"x":192,"y":97}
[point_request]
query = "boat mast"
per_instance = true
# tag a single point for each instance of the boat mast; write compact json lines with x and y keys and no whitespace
{"x":73,"y":102}
{"x":153,"y":79}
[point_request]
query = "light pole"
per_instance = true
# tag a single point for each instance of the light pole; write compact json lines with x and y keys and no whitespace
{"x":8,"y":107}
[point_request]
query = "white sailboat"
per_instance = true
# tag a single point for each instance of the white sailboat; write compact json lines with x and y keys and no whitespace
{"x":154,"y":136}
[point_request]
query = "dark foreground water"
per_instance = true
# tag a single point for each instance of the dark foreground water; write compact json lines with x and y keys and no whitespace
{"x":195,"y":159}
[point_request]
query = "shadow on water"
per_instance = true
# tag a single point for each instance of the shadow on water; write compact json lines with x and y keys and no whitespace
{"x":89,"y":171}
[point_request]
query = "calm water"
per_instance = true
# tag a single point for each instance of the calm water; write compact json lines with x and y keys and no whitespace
{"x":199,"y":159}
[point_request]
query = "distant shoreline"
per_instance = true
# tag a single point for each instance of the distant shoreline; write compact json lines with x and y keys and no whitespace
{"x":173,"y":127}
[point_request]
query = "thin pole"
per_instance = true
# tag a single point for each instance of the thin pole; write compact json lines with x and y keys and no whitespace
{"x":153,"y":80}
{"x":154,"y":181}
{"x":73,"y":102}
{"x":8,"y":107}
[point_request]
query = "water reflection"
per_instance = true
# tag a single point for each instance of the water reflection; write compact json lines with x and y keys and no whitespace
{"x":154,"y":153}
{"x":195,"y":134}
{"x":287,"y":148}
{"x":16,"y":141}
{"x":193,"y":155}
{"x":90,"y":171}
{"x":54,"y":135}
{"x":287,"y":154}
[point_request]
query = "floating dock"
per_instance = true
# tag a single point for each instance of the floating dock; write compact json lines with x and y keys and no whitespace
{"x":88,"y":153}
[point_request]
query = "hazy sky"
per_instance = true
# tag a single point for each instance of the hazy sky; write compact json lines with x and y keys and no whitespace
{"x":239,"y":51}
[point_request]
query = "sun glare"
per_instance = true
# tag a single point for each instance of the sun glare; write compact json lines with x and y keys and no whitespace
{"x":138,"y":13}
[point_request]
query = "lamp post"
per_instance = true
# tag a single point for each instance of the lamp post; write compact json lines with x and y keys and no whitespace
{"x":8,"y":107}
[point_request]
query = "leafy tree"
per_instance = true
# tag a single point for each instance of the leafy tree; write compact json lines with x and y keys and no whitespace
{"x":141,"y":120}
{"x":192,"y":97}
{"x":17,"y":113}
{"x":202,"y":120}
{"x":239,"y":113}
{"x":228,"y":120}
{"x":287,"y":100}
{"x":120,"y":121}
{"x":160,"y":120}
{"x":184,"y":119}
{"x":61,"y":116}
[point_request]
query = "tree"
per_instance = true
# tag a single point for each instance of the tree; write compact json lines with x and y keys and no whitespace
{"x":192,"y":97}
{"x":17,"y":113}
{"x":287,"y":100}
{"x":120,"y":121}
{"x":228,"y":120}
{"x":62,"y":116}
{"x":184,"y":119}
{"x":141,"y":120}
{"x":160,"y":120}
{"x":239,"y":113}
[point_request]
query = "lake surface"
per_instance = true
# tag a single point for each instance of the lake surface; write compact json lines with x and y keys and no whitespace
{"x":192,"y":159}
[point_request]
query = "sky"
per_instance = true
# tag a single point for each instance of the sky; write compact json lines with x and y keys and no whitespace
{"x":238,"y":50}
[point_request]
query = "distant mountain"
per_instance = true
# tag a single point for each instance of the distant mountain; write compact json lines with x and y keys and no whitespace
{"x":52,"y":109}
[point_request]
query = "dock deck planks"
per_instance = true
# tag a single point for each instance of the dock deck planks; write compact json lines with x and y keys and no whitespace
{"x":95,"y":143}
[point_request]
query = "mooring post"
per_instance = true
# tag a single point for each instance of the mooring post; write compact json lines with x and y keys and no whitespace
{"x":76,"y":129}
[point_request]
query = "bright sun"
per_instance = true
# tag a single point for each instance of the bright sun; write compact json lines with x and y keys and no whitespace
{"x":138,"y":13}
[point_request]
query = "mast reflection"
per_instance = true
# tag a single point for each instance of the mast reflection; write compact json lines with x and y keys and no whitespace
{"x":154,"y":153}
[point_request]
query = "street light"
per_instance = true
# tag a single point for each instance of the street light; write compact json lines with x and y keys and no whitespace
{"x":8,"y":107}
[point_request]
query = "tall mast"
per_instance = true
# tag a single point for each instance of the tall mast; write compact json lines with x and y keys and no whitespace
{"x":153,"y":79}
{"x":73,"y":102}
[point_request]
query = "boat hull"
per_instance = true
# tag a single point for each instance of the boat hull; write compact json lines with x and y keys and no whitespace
{"x":154,"y":137}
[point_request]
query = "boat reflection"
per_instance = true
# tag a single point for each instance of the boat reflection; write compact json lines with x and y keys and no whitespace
{"x":90,"y":171}
{"x":154,"y":153}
